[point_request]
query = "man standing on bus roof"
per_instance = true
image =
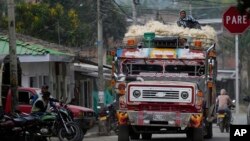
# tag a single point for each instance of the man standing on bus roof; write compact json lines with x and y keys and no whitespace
{"x":187,"y":21}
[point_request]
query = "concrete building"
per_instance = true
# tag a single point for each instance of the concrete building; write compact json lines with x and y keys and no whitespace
{"x":42,"y":66}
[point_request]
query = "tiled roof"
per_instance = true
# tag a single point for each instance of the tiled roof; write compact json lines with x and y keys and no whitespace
{"x":26,"y":48}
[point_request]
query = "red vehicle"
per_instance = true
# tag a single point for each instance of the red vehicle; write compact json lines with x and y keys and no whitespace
{"x":165,"y":84}
{"x":84,"y":116}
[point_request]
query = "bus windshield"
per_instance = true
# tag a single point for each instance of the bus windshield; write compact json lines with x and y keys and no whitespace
{"x":168,"y":67}
{"x":136,"y":69}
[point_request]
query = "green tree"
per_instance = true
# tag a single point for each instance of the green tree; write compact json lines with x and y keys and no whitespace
{"x":73,"y":23}
{"x":244,"y":53}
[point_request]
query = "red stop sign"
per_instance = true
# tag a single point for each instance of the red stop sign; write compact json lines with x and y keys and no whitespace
{"x":234,"y":22}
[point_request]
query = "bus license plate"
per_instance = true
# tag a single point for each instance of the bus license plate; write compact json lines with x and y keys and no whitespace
{"x":103,"y":118}
{"x":157,"y":117}
{"x":221,"y":116}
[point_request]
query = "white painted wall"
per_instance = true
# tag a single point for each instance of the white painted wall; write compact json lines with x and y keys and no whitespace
{"x":58,"y":86}
{"x":33,"y":70}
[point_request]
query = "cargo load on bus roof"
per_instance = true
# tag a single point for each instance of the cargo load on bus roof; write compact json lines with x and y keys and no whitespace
{"x":207,"y":33}
{"x":170,"y":30}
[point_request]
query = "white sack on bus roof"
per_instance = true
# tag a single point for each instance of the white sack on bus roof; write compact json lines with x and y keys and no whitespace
{"x":171,"y":30}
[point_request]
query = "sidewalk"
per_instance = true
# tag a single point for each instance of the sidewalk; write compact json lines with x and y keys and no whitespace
{"x":94,"y":131}
{"x":241,"y":118}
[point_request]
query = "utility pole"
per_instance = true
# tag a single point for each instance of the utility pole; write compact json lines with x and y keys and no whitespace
{"x":12,"y":52}
{"x":190,"y":7}
{"x":101,"y":96}
{"x":58,"y":33}
{"x":102,"y":129}
{"x":134,"y":12}
{"x":100,"y":54}
{"x":237,"y":76}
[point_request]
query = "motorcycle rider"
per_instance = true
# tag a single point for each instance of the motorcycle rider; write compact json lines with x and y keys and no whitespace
{"x":42,"y":104}
{"x":187,"y":21}
{"x":223,"y":102}
{"x":33,"y":98}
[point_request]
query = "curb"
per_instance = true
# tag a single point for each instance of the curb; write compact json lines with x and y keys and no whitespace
{"x":89,"y":135}
{"x":97,"y":134}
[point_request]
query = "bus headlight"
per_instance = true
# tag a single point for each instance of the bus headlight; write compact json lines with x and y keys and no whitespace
{"x":136,"y":93}
{"x":184,"y":95}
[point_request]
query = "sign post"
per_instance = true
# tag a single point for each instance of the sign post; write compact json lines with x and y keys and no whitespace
{"x":236,"y":23}
{"x":237,"y":73}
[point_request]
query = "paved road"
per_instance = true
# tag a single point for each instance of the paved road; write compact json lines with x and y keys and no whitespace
{"x":218,"y":136}
{"x":240,"y":119}
{"x":159,"y":137}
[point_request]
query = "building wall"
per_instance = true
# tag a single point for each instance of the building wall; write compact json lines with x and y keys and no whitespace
{"x":84,"y":89}
{"x":70,"y":80}
{"x":58,"y":76}
{"x":36,"y":70}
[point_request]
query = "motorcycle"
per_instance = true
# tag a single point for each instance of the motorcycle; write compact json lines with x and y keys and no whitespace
{"x":108,"y":118}
{"x":104,"y":121}
{"x":58,"y":123}
{"x":13,"y":127}
{"x":68,"y":117}
{"x":7,"y":131}
{"x":113,"y":119}
{"x":224,"y":119}
{"x":114,"y":127}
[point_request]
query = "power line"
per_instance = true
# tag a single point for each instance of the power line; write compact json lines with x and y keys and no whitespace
{"x":206,"y":1}
{"x":122,"y":9}
{"x":154,"y":9}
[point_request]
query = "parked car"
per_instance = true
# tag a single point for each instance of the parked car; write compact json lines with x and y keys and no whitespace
{"x":247,"y":99}
{"x":84,"y":116}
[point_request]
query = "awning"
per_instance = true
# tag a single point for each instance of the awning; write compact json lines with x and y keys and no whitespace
{"x":30,"y":52}
{"x":92,"y":70}
{"x":46,"y":58}
{"x":225,"y":74}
